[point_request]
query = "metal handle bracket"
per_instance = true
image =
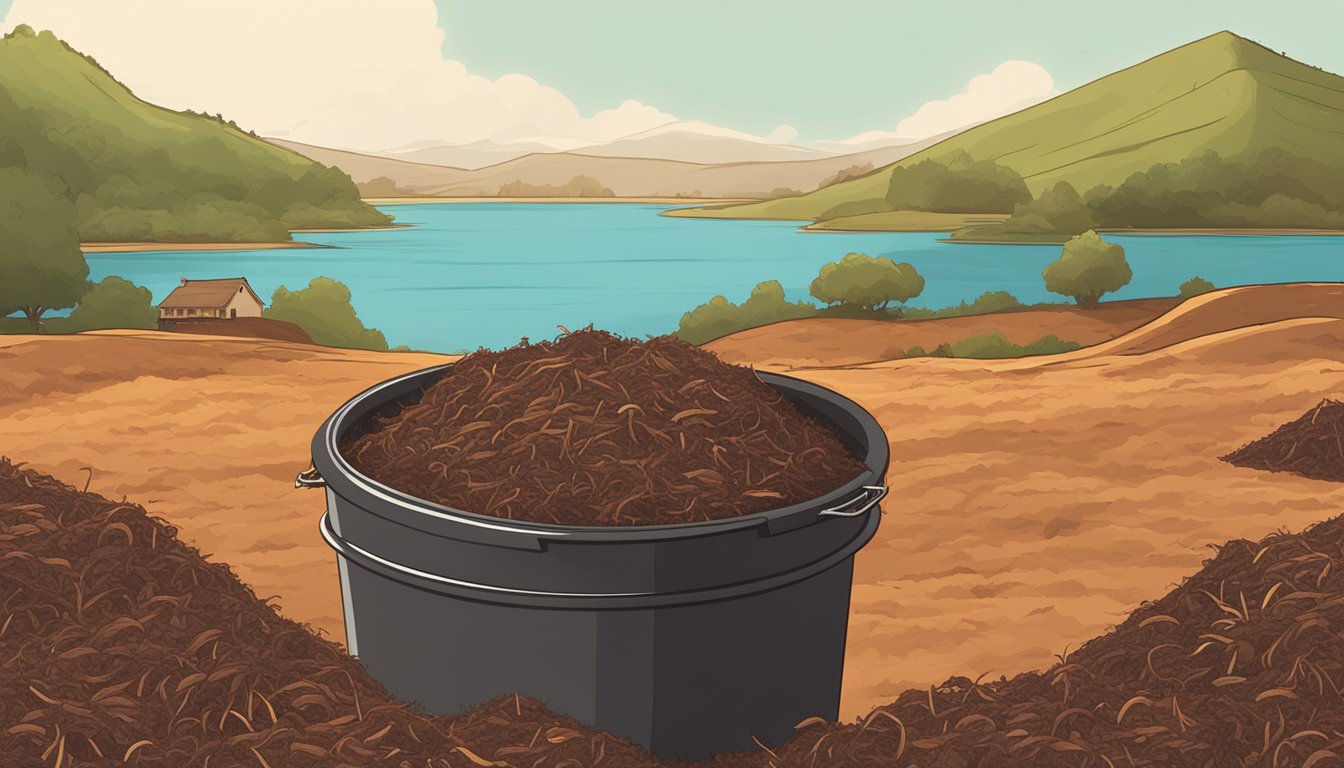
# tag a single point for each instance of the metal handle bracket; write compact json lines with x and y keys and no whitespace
{"x":309,"y":478}
{"x":869,"y":498}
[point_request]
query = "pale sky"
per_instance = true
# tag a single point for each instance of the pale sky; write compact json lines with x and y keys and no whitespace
{"x":376,"y":75}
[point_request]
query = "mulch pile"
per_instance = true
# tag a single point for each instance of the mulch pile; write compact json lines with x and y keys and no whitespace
{"x":594,"y":429}
{"x":119,"y":644}
{"x":1311,"y":446}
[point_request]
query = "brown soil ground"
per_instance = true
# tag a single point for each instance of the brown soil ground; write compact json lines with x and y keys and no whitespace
{"x":1034,"y":502}
{"x":822,"y":342}
{"x":248,"y":328}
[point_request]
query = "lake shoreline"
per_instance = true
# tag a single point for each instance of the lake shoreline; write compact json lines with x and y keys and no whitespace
{"x":466,"y":276}
{"x":101,"y":247}
{"x":920,"y":225}
{"x":142,"y":247}
{"x":425,"y":199}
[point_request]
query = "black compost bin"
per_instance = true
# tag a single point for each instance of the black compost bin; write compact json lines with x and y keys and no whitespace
{"x":689,"y":639}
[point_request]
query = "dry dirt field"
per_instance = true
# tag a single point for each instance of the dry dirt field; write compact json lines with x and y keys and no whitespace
{"x":1034,"y":502}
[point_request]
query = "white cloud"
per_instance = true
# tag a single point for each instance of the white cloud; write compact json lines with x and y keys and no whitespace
{"x":783,"y":134}
{"x":344,"y":73}
{"x":1013,"y":85}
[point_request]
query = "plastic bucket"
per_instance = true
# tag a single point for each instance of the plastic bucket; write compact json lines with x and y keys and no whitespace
{"x":687,"y":639}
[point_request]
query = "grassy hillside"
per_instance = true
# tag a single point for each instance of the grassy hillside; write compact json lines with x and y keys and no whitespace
{"x":1222,"y":93}
{"x":140,"y":172}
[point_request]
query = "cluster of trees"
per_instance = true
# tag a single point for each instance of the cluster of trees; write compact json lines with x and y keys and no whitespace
{"x":44,"y":270}
{"x":1273,"y":189}
{"x":383,"y":186}
{"x":956,"y":184}
{"x":860,"y":285}
{"x":579,"y":186}
{"x":136,"y":172}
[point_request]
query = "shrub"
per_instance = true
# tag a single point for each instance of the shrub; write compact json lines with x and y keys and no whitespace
{"x":324,"y":310}
{"x":1088,"y":268}
{"x":1195,"y":286}
{"x":720,"y":317}
{"x":114,"y":303}
{"x":989,"y":301}
{"x":995,"y":346}
{"x":868,"y":282}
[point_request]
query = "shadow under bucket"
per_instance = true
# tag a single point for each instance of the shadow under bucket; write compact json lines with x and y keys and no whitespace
{"x":688,"y":639}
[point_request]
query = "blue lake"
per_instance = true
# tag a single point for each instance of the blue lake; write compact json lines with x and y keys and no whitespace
{"x":465,"y":275}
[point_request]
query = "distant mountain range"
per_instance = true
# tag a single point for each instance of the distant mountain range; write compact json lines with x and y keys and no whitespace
{"x":674,"y":160}
{"x":1222,"y":93}
{"x":683,"y":140}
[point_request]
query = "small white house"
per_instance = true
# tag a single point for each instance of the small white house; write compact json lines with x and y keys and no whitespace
{"x":222,"y":299}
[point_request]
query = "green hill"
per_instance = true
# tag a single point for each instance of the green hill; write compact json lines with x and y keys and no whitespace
{"x":1221,"y":93}
{"x":138,"y":172}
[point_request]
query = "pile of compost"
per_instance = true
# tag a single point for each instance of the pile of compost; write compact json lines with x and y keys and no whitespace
{"x":1311,"y":446}
{"x":1240,"y":665}
{"x":594,"y":429}
{"x":120,"y":645}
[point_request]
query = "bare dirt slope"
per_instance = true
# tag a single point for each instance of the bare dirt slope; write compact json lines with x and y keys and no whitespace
{"x":815,"y":342}
{"x":1034,"y":502}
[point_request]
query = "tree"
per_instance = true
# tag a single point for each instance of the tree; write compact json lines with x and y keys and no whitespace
{"x":323,"y":309}
{"x":41,"y":265}
{"x":1195,"y":286}
{"x":864,"y":281}
{"x":115,"y":303}
{"x":1088,"y":268}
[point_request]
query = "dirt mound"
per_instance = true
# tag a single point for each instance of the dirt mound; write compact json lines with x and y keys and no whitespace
{"x":245,"y":327}
{"x":122,"y":645}
{"x":1226,"y":310}
{"x":828,"y":341}
{"x":594,"y":429}
{"x":1311,"y":445}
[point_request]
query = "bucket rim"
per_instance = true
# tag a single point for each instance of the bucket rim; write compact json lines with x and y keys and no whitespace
{"x":480,"y":591}
{"x":343,"y":478}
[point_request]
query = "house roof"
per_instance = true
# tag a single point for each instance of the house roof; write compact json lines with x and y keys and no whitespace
{"x":207,"y":294}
